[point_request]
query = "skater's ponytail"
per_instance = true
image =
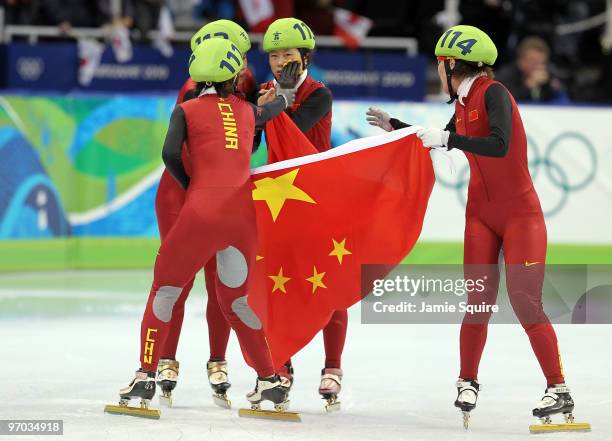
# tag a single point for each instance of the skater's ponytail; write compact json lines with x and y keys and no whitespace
{"x":466,"y":69}
{"x":223,"y":89}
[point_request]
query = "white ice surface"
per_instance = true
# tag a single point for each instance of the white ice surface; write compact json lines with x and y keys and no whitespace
{"x":398,"y":385}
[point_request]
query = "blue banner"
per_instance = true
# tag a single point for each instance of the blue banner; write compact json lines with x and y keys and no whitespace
{"x":349,"y":74}
{"x":56,"y":66}
{"x":352,"y":74}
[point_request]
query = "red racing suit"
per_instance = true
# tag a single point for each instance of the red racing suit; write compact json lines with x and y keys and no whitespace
{"x":217,"y":218}
{"x":168,"y":203}
{"x":503,"y":212}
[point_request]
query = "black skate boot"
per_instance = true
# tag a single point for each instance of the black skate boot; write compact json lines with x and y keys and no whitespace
{"x":467,"y":395}
{"x":269,"y":389}
{"x":218,"y":379}
{"x":167,"y":376}
{"x":143,"y":387}
{"x":556,"y":399}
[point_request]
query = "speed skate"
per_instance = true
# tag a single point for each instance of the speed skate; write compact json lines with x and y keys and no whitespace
{"x":218,"y":379}
{"x":557,"y":400}
{"x":331,"y":379}
{"x":279,"y":413}
{"x":167,"y":376}
{"x":569,"y":426}
{"x":123,"y":409}
{"x":269,"y":389}
{"x":142,"y":387}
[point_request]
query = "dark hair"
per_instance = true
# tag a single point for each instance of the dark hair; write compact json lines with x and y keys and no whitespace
{"x":468,"y":69}
{"x":223,"y":89}
{"x":307,"y":55}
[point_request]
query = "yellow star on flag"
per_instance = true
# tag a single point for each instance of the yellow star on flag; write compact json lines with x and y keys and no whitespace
{"x":258,"y":258}
{"x":275,"y":191}
{"x":339,"y":250}
{"x":279,"y":281}
{"x":316,"y":280}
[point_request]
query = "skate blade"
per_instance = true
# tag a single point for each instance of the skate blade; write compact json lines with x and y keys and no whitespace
{"x":332,"y":407}
{"x":563,"y":427}
{"x":466,"y":419}
{"x":222,"y":402}
{"x":270,"y":415}
{"x":132,"y":411}
{"x":165,"y":401}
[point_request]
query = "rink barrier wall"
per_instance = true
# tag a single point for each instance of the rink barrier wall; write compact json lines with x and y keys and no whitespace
{"x":80,"y":172}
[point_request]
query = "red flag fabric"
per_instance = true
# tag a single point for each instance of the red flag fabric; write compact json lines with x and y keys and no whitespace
{"x":320,"y":217}
{"x":351,"y":27}
{"x":279,"y":131}
{"x":258,"y":14}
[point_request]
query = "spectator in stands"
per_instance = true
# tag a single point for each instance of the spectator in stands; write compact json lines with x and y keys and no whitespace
{"x":211,"y":10}
{"x":529,"y":78}
{"x":18,"y":12}
{"x":606,"y":79}
{"x":146,"y":16}
{"x":77,"y":13}
{"x":598,"y":90}
{"x":320,"y":13}
{"x":492,"y":16}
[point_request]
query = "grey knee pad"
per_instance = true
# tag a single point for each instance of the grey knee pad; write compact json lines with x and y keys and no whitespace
{"x":232,"y":268}
{"x":165,"y":298}
{"x":244,"y":312}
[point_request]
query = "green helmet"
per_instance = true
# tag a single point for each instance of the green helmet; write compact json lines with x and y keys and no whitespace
{"x":223,"y":29}
{"x":288,"y":33}
{"x":215,"y":60}
{"x":467,"y":43}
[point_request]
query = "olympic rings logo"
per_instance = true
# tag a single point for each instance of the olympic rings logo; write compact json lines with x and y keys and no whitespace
{"x":549,"y":163}
{"x":30,"y":68}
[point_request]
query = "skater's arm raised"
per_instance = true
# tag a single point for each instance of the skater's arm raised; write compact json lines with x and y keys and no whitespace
{"x":499,"y":112}
{"x":268,"y":111}
{"x":171,"y":153}
{"x":379,"y":118}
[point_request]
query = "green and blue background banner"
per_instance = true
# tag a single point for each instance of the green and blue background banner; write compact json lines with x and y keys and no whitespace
{"x":79,"y":173}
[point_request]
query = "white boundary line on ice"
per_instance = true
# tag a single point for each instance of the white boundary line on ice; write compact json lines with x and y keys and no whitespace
{"x":117,"y":203}
{"x":102,"y":210}
{"x":13,"y":115}
{"x":352,"y":146}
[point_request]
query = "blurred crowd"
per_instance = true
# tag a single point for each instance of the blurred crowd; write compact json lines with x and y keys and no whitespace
{"x":142,"y":15}
{"x":540,"y":59}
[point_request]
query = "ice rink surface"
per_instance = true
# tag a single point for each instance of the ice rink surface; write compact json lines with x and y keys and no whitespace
{"x":70,"y":341}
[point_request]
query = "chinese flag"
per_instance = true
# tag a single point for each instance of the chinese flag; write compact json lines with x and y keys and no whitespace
{"x":320,"y":217}
{"x":278,"y":131}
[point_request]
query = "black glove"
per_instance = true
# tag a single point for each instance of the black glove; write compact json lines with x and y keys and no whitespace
{"x":290,"y":75}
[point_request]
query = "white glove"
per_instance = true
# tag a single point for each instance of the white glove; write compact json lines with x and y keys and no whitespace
{"x":434,"y":138}
{"x":288,"y":94}
{"x":379,"y":118}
